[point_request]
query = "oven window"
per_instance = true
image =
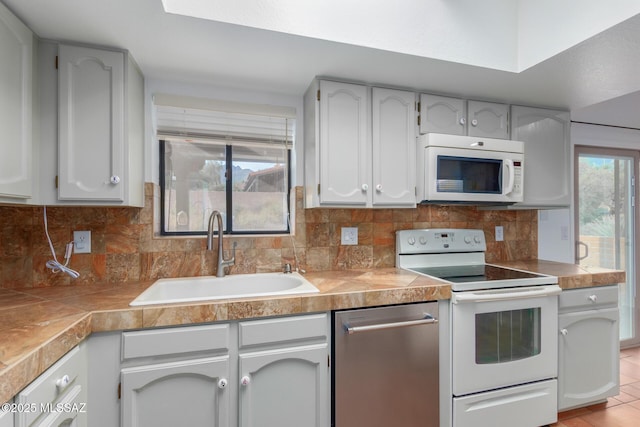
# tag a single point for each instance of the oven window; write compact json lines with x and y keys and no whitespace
{"x":469,"y":175}
{"x":506,"y":336}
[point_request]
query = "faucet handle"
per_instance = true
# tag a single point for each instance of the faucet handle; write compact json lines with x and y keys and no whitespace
{"x":287,"y":268}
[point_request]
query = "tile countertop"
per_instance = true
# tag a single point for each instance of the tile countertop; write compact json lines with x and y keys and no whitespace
{"x":38,"y":326}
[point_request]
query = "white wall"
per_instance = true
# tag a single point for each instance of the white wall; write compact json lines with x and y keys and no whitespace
{"x":548,"y":27}
{"x":205,"y":90}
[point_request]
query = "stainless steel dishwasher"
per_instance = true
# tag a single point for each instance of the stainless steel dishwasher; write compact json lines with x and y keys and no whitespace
{"x":385,"y":366}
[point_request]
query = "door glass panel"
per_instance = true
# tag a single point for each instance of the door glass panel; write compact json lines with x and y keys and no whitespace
{"x":507,"y":335}
{"x":469,"y":175}
{"x":606,"y":222}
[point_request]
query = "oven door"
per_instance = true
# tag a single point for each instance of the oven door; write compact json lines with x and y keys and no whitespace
{"x":503,"y":337}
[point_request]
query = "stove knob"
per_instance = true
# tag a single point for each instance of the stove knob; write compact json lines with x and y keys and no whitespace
{"x":467,"y":239}
{"x":422,"y":240}
{"x":411,"y":240}
{"x":477,"y":239}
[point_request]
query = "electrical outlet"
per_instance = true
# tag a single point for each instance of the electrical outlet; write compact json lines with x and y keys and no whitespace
{"x":82,"y":242}
{"x":349,"y":236}
{"x":499,"y":233}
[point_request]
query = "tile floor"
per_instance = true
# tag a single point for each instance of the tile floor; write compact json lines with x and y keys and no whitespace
{"x":620,"y":411}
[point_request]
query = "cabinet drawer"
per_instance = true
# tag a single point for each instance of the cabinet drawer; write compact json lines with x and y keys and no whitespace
{"x":588,"y":298}
{"x":160,"y":342}
{"x":283,"y":330}
{"x":49,"y":386}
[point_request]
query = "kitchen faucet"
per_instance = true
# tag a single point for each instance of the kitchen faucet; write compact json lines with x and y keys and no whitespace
{"x":222,"y":263}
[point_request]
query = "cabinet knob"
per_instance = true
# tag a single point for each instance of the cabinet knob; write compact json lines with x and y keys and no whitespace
{"x":245,"y":380}
{"x":474,"y":122}
{"x":115,"y":179}
{"x":564,"y":331}
{"x":379,"y":188}
{"x":222,"y":383}
{"x":462,"y":121}
{"x":63,"y":382}
{"x":593,"y":298}
{"x":365,"y":187}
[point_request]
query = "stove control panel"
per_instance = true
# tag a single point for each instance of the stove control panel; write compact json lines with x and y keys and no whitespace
{"x":440,"y":240}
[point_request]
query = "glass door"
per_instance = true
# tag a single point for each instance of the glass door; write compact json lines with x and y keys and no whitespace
{"x":605,"y":222}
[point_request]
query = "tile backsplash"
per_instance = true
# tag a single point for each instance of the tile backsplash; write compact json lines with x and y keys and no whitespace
{"x":126,"y":247}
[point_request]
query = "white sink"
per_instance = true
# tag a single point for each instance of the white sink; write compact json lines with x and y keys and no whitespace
{"x":202,"y":288}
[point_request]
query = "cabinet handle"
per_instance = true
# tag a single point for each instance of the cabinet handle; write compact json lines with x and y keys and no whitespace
{"x":222,"y":383}
{"x":564,"y":332}
{"x":63,"y":382}
{"x":365,"y":187}
{"x":244,"y":381}
{"x":115,"y":179}
{"x":593,"y":298}
{"x":474,"y":122}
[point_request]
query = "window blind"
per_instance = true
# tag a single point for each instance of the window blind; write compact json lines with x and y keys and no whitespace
{"x":214,"y":121}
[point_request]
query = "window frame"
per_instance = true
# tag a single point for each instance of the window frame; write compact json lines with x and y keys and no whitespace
{"x":228,"y":226}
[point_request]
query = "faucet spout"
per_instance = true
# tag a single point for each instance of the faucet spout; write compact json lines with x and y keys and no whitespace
{"x":222,"y":263}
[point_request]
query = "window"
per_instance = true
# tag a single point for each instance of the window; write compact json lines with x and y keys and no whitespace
{"x":235,"y":163}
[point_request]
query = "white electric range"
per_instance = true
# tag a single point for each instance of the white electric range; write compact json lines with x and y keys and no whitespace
{"x":503,"y":330}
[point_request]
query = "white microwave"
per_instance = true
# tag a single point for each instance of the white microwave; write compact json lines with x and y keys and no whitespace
{"x":456,"y":169}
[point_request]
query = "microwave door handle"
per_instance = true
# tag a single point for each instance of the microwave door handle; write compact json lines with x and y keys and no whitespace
{"x":508,"y":163}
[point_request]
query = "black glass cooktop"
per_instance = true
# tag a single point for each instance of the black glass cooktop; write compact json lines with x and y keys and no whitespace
{"x":473,"y":273}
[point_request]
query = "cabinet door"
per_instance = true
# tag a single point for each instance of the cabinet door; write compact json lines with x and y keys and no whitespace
{"x":488,"y":119}
{"x":394,"y":147}
{"x":588,"y":364}
{"x":16,"y":75}
{"x":186,"y":393}
{"x":285,"y":387}
{"x":91,"y":124}
{"x":546,"y":171}
{"x":441,"y":114}
{"x":345,"y":160}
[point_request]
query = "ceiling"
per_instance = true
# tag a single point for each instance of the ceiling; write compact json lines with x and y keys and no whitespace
{"x":597,"y":79}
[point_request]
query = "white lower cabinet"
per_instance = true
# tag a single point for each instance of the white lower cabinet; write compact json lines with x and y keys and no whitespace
{"x":6,"y":417}
{"x":58,"y":397}
{"x":262,"y":372}
{"x":284,"y":372}
{"x":588,"y":346}
{"x":190,"y":393}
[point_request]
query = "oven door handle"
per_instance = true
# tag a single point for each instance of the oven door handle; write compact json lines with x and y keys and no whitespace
{"x":505,"y":294}
{"x":427,"y":320}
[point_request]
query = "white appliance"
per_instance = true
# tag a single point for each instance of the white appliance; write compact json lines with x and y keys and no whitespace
{"x":469,"y":170}
{"x":503,"y":330}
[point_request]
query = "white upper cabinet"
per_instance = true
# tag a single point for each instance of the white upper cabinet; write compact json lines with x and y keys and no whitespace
{"x":454,"y":116}
{"x":394,"y":166}
{"x":344,"y":144}
{"x":359,"y":146}
{"x":546,"y":152}
{"x":442,"y":114}
{"x":99,"y":95}
{"x":488,"y":119}
{"x":16,"y":82}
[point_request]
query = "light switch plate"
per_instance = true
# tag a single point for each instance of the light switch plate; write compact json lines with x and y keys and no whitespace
{"x":82,"y":242}
{"x":349,"y":236}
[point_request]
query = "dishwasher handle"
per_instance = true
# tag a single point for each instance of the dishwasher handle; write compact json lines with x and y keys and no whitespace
{"x":426,"y":320}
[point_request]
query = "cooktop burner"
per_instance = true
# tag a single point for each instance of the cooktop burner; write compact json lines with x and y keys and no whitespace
{"x":473,"y":273}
